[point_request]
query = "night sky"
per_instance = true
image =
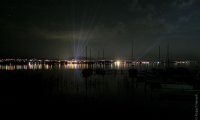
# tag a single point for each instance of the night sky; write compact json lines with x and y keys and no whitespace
{"x":63,"y":28}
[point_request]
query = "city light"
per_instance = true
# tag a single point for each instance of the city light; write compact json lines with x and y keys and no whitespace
{"x":145,"y":62}
{"x":182,"y":62}
{"x":117,"y":63}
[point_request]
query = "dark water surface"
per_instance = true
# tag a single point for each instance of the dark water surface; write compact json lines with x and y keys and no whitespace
{"x":112,"y":92}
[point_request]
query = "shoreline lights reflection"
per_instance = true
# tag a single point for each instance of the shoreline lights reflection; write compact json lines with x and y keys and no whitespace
{"x":118,"y":64}
{"x":36,"y":66}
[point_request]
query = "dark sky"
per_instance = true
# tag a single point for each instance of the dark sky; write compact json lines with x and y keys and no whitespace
{"x":63,"y":28}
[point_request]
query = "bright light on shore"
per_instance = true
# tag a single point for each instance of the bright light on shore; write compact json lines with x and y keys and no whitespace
{"x":145,"y":62}
{"x":118,"y":63}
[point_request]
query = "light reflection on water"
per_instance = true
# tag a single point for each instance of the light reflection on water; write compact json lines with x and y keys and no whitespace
{"x":66,"y":80}
{"x":117,"y":65}
{"x":66,"y":66}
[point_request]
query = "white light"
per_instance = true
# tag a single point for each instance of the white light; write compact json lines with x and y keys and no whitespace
{"x":118,"y":63}
{"x":145,"y":62}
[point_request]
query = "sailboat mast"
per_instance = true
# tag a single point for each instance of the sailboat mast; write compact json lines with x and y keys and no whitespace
{"x":98,"y":55}
{"x":86,"y":53}
{"x":103,"y":54}
{"x":90,"y":54}
{"x":168,"y":59}
{"x":159,"y":55}
{"x":132,"y":51}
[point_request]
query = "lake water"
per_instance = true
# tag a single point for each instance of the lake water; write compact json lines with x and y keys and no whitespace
{"x":113,"y":92}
